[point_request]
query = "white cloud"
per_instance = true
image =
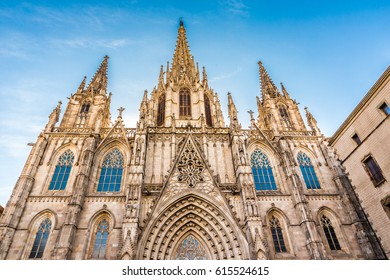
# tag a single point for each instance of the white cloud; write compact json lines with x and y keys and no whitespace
{"x":92,"y":43}
{"x":236,"y":7}
{"x":226,"y":75}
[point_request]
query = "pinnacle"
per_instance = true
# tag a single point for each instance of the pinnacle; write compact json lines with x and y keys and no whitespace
{"x":268,"y":88}
{"x":183,"y":61}
{"x":99,"y":80}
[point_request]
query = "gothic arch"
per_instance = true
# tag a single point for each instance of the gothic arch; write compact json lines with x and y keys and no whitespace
{"x":60,"y":150}
{"x":110,"y":144}
{"x":315,"y":164}
{"x":285,"y":225}
{"x":53,"y":164}
{"x":193,"y":213}
{"x":100,"y":155}
{"x":33,"y":229}
{"x":337,"y":226}
{"x":274,"y":160}
{"x":93,"y":224}
{"x":201,"y":249}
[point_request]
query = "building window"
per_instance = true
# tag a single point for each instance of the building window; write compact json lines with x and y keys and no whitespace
{"x":185,"y":103}
{"x":373,"y":170}
{"x":161,"y":110}
{"x":330,"y":233}
{"x":62,"y":171}
{"x":385,"y":108}
{"x":207,"y":110}
{"x":85,"y":108}
{"x":386,"y":205}
{"x":356,"y":138}
{"x":41,"y":240}
{"x":100,"y":240}
{"x":262,"y":171}
{"x":111,"y":173}
{"x":285,"y":117}
{"x":277,"y":235}
{"x":83,"y":115}
{"x":308,"y":172}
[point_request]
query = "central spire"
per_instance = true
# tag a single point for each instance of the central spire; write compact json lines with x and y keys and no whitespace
{"x":268,"y":88}
{"x":183,"y":61}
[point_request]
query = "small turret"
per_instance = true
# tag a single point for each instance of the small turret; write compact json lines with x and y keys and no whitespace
{"x":232,"y":112}
{"x":312,"y":122}
{"x":53,"y":118}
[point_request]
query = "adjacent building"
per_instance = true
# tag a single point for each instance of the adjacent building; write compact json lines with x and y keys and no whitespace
{"x":363,"y":146}
{"x":182,"y":183}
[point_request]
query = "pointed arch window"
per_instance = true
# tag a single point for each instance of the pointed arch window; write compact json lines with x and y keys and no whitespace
{"x":62,"y":171}
{"x":262,"y":171}
{"x":285,"y":117}
{"x":161,"y":110}
{"x":185,"y":103}
{"x":85,"y":108}
{"x":308,"y":172}
{"x":190,"y":249}
{"x":207,"y":110}
{"x":330,"y":233}
{"x":277,"y":235}
{"x":100,"y":240}
{"x":41,"y":239}
{"x":111,"y":173}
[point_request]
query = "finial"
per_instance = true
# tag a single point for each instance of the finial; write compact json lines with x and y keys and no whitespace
{"x":251,"y":114}
{"x":181,"y":21}
{"x":121,"y":109}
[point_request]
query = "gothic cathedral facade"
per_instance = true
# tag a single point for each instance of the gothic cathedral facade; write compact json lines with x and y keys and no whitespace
{"x":183,"y":184}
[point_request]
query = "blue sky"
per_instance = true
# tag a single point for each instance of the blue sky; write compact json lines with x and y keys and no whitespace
{"x":327,"y":53}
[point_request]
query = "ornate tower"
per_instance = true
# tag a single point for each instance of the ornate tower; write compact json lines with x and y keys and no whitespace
{"x":89,"y":107}
{"x":183,"y":98}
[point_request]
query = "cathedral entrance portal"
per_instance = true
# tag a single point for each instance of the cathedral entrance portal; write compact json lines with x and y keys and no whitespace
{"x":195,"y":229}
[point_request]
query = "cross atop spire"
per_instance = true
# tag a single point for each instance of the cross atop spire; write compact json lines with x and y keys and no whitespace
{"x":120,"y":109}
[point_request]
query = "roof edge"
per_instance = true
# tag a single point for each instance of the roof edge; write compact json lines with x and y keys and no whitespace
{"x":356,"y":110}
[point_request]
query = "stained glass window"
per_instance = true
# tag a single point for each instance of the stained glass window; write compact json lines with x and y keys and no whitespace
{"x":207,"y":110}
{"x":185,"y":103}
{"x":262,"y":171}
{"x":277,"y":235}
{"x":330,"y":233}
{"x":41,"y":239}
{"x":161,"y":110}
{"x":308,"y":172}
{"x":111,"y":174}
{"x":100,"y":242}
{"x":62,"y":171}
{"x":190,"y":249}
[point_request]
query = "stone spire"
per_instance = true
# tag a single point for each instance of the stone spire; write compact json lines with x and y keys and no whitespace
{"x":82,"y":84}
{"x":161,"y":78}
{"x":183,"y":62}
{"x":53,"y":118}
{"x":99,"y":81}
{"x":312,"y":122}
{"x":268,"y":88}
{"x":285,"y":92}
{"x":232,"y":111}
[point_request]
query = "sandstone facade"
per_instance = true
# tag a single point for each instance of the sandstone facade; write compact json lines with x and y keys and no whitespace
{"x":182,"y":184}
